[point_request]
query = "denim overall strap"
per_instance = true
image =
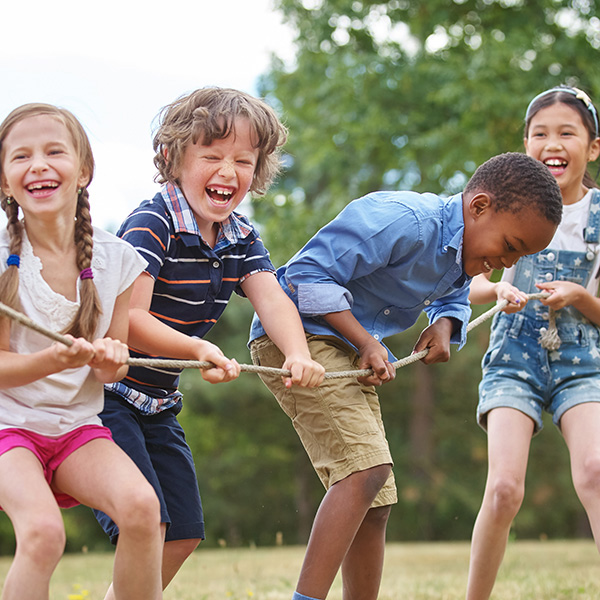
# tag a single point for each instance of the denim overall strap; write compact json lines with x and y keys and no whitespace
{"x":591,"y":233}
{"x":551,"y":264}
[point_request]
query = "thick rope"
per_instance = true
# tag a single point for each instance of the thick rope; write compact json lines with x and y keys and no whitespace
{"x":196,"y":364}
{"x":549,"y":338}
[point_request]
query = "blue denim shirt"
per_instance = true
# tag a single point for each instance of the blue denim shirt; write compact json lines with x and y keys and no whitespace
{"x":386,"y":257}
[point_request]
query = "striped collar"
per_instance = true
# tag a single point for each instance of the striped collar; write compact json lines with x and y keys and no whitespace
{"x":231,"y":230}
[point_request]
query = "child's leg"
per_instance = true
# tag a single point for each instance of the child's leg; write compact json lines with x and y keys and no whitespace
{"x":341,"y":428}
{"x":509,"y":438}
{"x":175,"y":554}
{"x":158,"y":447}
{"x":99,"y":474}
{"x":28,"y":500}
{"x":340,"y":526}
{"x":580,"y":426}
{"x":363,"y":565}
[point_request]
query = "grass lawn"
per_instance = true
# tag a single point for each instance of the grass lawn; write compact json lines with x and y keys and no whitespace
{"x":531,"y":571}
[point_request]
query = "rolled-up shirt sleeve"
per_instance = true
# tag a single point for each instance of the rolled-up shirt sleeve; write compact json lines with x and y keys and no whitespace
{"x":315,"y":299}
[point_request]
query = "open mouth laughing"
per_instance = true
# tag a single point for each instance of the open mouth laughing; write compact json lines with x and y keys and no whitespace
{"x":219,"y":195}
{"x":40,"y":188}
{"x":556,"y":165}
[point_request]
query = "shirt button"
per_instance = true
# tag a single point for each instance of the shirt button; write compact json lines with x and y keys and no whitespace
{"x":216,"y":264}
{"x":548,"y":277}
{"x":427,"y":302}
{"x":545,"y":316}
{"x":386,"y":312}
{"x":550,"y":256}
{"x":376,"y":336}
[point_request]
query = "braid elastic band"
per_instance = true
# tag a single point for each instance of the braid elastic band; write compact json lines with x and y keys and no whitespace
{"x":14,"y":260}
{"x":86,"y":274}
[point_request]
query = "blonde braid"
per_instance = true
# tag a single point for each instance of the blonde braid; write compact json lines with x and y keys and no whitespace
{"x":86,"y":320}
{"x":9,"y":280}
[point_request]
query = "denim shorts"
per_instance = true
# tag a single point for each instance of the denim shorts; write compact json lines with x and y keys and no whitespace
{"x":518,"y":373}
{"x":156,"y":443}
{"x":339,"y":423}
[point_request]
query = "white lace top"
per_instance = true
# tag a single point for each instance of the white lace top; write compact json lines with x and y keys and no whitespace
{"x":61,"y":402}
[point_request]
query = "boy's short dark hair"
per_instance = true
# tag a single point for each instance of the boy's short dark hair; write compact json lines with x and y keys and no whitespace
{"x":209,"y":114}
{"x":515,"y":182}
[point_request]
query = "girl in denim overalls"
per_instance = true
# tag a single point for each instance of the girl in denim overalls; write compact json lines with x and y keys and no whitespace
{"x":544,"y":355}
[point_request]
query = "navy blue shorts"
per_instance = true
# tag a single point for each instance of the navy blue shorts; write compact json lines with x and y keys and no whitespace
{"x":157,"y":445}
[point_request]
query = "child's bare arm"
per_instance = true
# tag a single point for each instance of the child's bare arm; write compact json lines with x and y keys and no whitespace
{"x":372,"y":354}
{"x":149,"y":335}
{"x":484,"y":291}
{"x":281,"y":321}
{"x":21,"y":369}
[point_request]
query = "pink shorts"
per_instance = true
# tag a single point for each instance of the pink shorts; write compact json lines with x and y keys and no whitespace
{"x":51,"y":452}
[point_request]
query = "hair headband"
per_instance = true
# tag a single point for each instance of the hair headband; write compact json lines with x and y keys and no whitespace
{"x":579,"y":94}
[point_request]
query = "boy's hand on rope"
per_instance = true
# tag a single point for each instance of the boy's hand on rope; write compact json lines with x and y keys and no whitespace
{"x":225,"y":369}
{"x":514,"y":296}
{"x":436,"y":339}
{"x":374,"y":356}
{"x":305,"y":371}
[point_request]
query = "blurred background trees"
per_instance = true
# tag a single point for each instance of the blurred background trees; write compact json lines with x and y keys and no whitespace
{"x":402,"y":94}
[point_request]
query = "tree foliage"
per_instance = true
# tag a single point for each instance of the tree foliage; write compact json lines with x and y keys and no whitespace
{"x":414,"y":95}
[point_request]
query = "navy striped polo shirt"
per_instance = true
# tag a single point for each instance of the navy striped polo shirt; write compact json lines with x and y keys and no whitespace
{"x":193,"y":282}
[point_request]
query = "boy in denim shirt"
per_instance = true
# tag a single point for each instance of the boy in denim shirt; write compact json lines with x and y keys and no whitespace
{"x":369,"y":274}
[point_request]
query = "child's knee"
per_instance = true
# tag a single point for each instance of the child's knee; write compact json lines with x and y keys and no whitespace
{"x":139,"y":511}
{"x":376,"y":478}
{"x":43,"y":539}
{"x":506,"y":496}
{"x":586,"y":478}
{"x":369,"y":482}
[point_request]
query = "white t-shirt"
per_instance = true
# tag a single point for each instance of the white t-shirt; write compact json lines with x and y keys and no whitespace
{"x":569,"y":236}
{"x":61,"y":402}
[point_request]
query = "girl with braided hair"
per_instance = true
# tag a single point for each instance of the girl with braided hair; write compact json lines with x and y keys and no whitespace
{"x":57,"y":269}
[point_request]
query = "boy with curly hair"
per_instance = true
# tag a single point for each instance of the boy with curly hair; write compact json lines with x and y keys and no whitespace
{"x":212,"y":147}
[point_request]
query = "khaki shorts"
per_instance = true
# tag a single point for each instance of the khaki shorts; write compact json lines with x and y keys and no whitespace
{"x":339,"y":423}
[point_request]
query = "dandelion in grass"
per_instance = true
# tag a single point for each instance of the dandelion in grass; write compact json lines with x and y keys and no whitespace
{"x":79,"y":593}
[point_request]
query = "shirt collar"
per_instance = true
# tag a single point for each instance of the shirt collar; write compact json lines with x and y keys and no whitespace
{"x":453,"y":224}
{"x":230,"y":231}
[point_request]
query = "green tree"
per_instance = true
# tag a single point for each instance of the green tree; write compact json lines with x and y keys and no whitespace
{"x":407,"y":94}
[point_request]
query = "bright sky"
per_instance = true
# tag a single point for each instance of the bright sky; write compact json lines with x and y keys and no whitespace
{"x":116,"y":63}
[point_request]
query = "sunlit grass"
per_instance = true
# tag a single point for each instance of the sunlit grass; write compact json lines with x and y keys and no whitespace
{"x":531,"y":571}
